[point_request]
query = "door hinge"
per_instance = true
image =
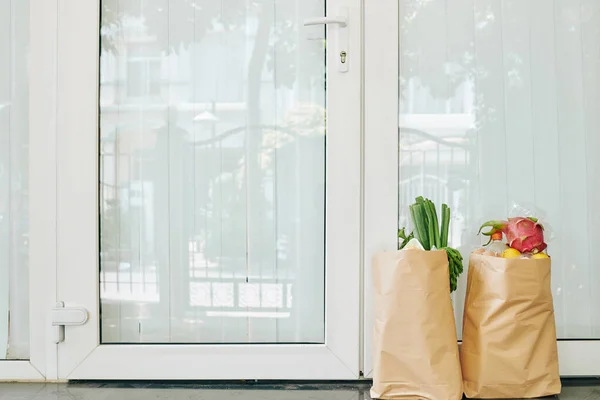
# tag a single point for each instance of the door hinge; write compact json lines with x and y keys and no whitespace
{"x":66,"y":316}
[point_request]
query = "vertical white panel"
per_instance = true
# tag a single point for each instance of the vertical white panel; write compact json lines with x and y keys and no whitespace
{"x":573,"y":169}
{"x":260,"y":160}
{"x":234,"y":201}
{"x":14,"y":182}
{"x":590,"y":26}
{"x":545,"y":138}
{"x":207,"y":164}
{"x":19,"y":271}
{"x":425,"y":88}
{"x":167,"y":159}
{"x":380,"y":219}
{"x":490,"y":86}
{"x":77,"y":130}
{"x":5,"y":171}
{"x":515,"y":20}
{"x":175,"y":29}
{"x":462,"y":73}
{"x":43,"y":189}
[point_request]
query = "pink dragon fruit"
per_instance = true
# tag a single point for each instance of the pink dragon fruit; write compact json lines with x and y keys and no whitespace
{"x":524,"y":234}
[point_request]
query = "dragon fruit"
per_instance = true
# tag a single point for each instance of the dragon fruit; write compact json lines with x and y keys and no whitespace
{"x":524,"y":234}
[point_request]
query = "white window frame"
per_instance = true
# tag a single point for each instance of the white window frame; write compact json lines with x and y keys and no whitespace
{"x":82,"y":356}
{"x":576,"y":357}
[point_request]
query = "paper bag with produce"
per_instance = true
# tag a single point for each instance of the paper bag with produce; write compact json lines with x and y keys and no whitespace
{"x":415,"y":352}
{"x":509,"y":335}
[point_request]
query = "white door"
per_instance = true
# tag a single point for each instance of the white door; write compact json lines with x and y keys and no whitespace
{"x":208,"y":212}
{"x":481,"y":103}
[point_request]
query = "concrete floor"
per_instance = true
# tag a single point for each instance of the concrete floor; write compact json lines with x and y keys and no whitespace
{"x":584,"y":390}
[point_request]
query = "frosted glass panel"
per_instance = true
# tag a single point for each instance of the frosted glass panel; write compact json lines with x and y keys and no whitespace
{"x":14,"y":139}
{"x":212,"y":137}
{"x":500,"y":102}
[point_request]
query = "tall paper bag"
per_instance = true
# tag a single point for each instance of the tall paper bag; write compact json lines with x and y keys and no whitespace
{"x":415,"y":352}
{"x":509,"y":334}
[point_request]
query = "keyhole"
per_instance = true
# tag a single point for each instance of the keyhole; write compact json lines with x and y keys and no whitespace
{"x":343,"y":57}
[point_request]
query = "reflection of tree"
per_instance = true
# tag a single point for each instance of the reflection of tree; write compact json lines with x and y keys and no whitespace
{"x":459,"y":66}
{"x":241,"y":189}
{"x":445,"y":67}
{"x":175,"y":25}
{"x":228,"y":185}
{"x":277,"y":32}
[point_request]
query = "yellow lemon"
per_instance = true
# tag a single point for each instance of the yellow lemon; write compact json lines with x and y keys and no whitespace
{"x":511,"y":253}
{"x":540,"y":255}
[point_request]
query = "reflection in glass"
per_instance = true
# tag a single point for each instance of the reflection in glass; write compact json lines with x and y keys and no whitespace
{"x":499,"y":103}
{"x":14,"y":180}
{"x":212,"y":172}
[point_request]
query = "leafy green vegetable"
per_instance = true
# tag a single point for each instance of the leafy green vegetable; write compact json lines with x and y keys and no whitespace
{"x":455,"y":264}
{"x":428,"y":231}
{"x":405,"y":239}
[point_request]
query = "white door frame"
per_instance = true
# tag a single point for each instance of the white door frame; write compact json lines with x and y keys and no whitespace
{"x":381,"y":144}
{"x":576,"y":357}
{"x":42,"y":224}
{"x":82,"y":356}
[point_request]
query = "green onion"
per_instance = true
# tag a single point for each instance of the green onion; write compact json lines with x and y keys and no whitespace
{"x":436,"y":228}
{"x":445,"y":225}
{"x":420,"y":220}
{"x":429,"y":232}
{"x":430,"y":225}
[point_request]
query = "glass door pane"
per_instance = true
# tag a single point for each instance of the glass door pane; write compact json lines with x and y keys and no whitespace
{"x":212,"y":171}
{"x":14,"y":179}
{"x":499,"y":103}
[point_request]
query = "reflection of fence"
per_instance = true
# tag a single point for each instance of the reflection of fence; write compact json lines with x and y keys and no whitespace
{"x":225,"y":294}
{"x":234,"y":295}
{"x":436,"y":168}
{"x":139,"y":254}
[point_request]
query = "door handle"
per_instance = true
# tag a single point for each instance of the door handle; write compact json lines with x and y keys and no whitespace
{"x":341,"y":21}
{"x":341,"y":38}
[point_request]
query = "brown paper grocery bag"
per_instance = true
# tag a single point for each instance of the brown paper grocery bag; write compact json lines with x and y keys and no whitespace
{"x":509,"y":334}
{"x":415,"y":352}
